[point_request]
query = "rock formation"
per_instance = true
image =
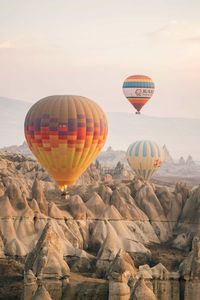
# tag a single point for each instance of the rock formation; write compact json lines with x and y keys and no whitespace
{"x":190,"y":162}
{"x":121,"y":238}
{"x":190,"y":271}
{"x":38,"y":195}
{"x":190,"y":267}
{"x":168,"y":158}
{"x":46,"y":259}
{"x":41,"y":294}
{"x":120,"y":271}
{"x":142,"y":292}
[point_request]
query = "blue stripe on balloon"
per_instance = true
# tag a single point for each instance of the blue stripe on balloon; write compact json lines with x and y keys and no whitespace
{"x":129,"y":84}
{"x":137,"y":149}
{"x":152,"y":149}
{"x":145,"y":149}
{"x":129,"y":150}
{"x":132,"y":150}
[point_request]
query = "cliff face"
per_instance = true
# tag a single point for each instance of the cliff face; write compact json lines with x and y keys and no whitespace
{"x":108,"y":238}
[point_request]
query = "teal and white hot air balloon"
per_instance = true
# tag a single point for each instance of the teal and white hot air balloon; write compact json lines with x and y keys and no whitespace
{"x":145,"y":158}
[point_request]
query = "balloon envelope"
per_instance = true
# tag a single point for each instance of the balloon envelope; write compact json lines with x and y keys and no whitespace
{"x":65,"y":133}
{"x":145,"y":157}
{"x":138,"y":89}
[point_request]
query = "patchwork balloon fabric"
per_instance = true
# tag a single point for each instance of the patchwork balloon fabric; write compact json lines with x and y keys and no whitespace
{"x":65,"y":133}
{"x":145,"y":157}
{"x":138,"y":89}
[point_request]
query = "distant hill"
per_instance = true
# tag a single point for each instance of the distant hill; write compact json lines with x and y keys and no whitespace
{"x":11,"y":121}
{"x":180,"y":135}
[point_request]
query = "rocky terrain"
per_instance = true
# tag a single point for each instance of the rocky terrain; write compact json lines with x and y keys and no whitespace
{"x":171,"y":171}
{"x":111,"y":237}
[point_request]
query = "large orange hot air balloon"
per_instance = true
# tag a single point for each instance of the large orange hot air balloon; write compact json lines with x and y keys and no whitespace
{"x":65,"y":133}
{"x":138,"y":89}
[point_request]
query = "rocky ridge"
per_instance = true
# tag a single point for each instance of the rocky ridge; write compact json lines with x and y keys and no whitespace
{"x":114,"y":162}
{"x":100,"y":239}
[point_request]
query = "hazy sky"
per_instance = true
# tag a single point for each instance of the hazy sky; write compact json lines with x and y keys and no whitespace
{"x":89,"y":47}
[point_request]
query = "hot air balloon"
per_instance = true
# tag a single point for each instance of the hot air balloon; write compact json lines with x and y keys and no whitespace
{"x":138,"y":89}
{"x":145,"y":157}
{"x":65,"y":133}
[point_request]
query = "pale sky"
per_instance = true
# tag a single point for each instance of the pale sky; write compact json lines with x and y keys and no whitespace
{"x":88,"y":47}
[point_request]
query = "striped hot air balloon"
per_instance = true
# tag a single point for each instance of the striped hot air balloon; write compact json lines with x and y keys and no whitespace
{"x":145,"y":157}
{"x":138,"y":89}
{"x":65,"y":133}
